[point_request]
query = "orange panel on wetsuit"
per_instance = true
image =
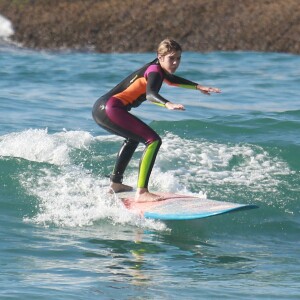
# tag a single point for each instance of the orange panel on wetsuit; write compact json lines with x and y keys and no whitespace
{"x":133,"y":92}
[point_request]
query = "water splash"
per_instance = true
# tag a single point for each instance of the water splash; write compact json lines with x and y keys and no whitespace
{"x":6,"y":28}
{"x":39,"y":146}
{"x":220,"y":164}
{"x":71,"y":193}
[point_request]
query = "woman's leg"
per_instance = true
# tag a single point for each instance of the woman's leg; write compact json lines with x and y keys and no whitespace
{"x":119,"y":121}
{"x":147,"y":162}
{"x":123,"y":158}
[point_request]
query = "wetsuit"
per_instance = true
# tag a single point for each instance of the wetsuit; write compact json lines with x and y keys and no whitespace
{"x":111,"y":111}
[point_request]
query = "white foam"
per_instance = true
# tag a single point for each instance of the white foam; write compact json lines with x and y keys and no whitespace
{"x":72,"y":197}
{"x":37,"y":145}
{"x":6,"y":28}
{"x":68,"y":194}
{"x":202,"y":161}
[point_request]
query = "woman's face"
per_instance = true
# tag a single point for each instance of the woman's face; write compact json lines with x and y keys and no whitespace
{"x":170,"y":62}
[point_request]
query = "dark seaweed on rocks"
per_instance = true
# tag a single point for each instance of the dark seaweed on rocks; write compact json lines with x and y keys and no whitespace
{"x":139,"y":25}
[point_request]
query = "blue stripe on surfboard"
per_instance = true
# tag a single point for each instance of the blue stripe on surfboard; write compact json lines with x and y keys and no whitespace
{"x":182,"y":216}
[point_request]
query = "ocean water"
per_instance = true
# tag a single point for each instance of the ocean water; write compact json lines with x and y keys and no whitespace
{"x":64,"y":237}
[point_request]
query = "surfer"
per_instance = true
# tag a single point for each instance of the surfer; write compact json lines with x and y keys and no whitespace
{"x":111,"y":112}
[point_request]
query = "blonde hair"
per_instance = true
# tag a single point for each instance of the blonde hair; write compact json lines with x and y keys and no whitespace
{"x":168,"y":46}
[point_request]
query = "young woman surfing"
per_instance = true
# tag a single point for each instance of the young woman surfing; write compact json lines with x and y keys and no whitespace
{"x":111,"y":112}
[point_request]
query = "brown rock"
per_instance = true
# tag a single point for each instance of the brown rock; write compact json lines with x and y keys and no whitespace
{"x":139,"y":25}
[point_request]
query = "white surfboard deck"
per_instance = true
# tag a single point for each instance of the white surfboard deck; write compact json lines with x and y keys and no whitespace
{"x":180,"y":207}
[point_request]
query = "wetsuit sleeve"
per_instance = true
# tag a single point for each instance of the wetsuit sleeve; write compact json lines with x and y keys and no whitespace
{"x":180,"y":82}
{"x":154,"y":83}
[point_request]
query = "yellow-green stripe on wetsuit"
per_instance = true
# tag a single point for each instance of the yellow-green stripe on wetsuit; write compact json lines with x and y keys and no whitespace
{"x":147,"y":162}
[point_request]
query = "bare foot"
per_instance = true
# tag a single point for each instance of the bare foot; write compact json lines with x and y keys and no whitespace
{"x":119,"y":187}
{"x":146,"y":196}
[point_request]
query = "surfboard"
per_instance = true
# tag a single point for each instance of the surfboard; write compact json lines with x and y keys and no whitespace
{"x":180,"y":207}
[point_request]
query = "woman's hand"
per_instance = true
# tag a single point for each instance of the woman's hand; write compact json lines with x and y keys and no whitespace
{"x":207,"y":90}
{"x":174,"y":106}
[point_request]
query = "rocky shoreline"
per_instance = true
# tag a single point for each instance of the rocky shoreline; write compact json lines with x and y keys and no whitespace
{"x":139,"y":25}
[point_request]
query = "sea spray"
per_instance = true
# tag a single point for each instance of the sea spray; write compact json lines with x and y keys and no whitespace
{"x":6,"y":28}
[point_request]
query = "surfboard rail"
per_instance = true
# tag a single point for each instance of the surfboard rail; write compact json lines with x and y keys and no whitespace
{"x":181,"y":207}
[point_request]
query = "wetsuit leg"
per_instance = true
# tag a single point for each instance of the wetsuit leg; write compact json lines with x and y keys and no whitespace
{"x":123,"y":158}
{"x":147,"y":162}
{"x":114,"y":117}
